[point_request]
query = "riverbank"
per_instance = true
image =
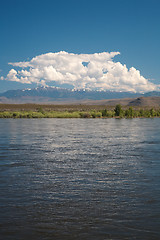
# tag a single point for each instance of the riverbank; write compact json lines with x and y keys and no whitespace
{"x":74,"y":111}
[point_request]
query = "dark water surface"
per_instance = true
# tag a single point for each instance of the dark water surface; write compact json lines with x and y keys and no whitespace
{"x":79,"y":179}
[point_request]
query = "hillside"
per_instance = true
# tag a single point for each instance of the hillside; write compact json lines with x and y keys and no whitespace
{"x":136,"y":103}
{"x":60,"y":96}
{"x":50,"y":94}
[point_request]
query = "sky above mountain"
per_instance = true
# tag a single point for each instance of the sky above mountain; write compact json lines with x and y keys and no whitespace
{"x":80,"y":71}
{"x":112,"y":45}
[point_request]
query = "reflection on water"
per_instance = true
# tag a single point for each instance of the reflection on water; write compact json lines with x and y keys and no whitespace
{"x":79,"y":179}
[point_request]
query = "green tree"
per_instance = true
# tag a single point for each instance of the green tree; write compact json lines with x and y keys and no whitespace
{"x":40,"y":110}
{"x":104,"y":113}
{"x":141,"y":112}
{"x":118,"y":110}
{"x":129,"y":113}
{"x":152,"y":112}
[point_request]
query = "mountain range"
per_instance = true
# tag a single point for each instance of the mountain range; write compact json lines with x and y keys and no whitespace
{"x":51,"y":94}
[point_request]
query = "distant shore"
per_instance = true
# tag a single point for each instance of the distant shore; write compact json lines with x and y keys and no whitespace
{"x":75,"y":111}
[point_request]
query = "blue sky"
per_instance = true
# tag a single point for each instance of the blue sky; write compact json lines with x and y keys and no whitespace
{"x":32,"y":28}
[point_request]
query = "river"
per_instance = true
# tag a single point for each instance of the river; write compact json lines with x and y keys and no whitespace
{"x":79,"y":179}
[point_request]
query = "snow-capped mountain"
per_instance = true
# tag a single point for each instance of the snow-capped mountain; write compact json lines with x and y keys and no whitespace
{"x":47,"y":94}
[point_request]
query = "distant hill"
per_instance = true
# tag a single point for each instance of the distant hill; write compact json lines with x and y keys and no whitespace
{"x":152,"y":94}
{"x":135,"y":102}
{"x":145,"y":101}
{"x":61,"y":95}
{"x":49,"y":94}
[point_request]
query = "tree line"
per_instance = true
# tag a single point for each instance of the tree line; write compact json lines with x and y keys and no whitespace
{"x":117,"y":112}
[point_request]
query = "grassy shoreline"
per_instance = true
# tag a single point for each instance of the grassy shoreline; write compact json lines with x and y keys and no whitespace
{"x":78,"y":111}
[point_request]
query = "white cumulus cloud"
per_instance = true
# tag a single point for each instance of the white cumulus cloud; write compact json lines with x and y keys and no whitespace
{"x":90,"y":71}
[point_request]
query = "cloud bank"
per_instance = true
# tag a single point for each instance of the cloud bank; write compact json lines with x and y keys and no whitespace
{"x":95,"y":71}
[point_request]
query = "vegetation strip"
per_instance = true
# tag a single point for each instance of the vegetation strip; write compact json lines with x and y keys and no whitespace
{"x":117,"y":112}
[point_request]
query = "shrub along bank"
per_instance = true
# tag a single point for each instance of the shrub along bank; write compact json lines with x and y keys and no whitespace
{"x":117,"y":112}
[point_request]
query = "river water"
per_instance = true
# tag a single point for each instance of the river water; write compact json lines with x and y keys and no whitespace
{"x":79,"y":179}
